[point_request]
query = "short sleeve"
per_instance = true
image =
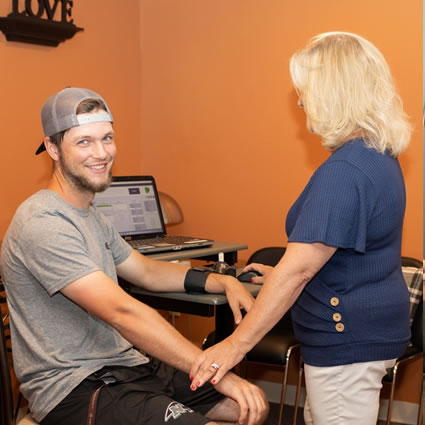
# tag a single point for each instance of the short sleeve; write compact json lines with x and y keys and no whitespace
{"x":334,"y":208}
{"x":57,"y":256}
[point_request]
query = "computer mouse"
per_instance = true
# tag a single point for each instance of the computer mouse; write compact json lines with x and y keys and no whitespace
{"x":247,"y":276}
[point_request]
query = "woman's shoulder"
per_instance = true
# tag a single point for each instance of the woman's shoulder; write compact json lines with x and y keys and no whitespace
{"x":365,"y":159}
{"x":357,"y":151}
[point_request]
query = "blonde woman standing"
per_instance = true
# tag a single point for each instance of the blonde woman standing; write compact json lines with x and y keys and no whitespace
{"x":341,"y":273}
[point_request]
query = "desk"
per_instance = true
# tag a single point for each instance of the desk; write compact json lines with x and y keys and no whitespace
{"x":210,"y":253}
{"x":206,"y":305}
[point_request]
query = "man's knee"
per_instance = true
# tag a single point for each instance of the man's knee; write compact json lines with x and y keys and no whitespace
{"x":227,"y":411}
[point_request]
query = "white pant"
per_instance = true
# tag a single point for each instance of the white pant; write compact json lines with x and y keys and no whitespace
{"x":344,"y":395}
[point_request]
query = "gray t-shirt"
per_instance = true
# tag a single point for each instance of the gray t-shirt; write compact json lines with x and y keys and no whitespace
{"x":56,"y":343}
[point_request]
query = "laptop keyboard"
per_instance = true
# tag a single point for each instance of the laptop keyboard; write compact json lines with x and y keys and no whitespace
{"x":174,"y":240}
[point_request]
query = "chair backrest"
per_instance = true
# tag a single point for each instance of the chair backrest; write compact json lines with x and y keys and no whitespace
{"x":269,"y":256}
{"x":6,"y":398}
{"x":411,"y":262}
{"x":171,"y":210}
{"x":7,"y":414}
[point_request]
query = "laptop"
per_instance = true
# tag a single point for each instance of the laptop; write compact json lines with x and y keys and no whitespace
{"x":132,"y":204}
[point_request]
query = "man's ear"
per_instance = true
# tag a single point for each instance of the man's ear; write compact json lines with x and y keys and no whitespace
{"x":51,"y":148}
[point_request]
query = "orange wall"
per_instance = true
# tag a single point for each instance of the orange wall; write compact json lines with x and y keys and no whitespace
{"x":206,"y":84}
{"x":105,"y":57}
{"x":220,"y":127}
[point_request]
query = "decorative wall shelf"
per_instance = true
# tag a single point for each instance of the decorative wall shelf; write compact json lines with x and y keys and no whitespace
{"x":27,"y":26}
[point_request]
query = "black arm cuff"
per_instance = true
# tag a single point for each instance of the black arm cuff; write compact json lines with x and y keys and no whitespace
{"x":195,"y":280}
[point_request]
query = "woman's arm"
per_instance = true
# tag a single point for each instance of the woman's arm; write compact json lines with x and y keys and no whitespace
{"x":281,"y":288}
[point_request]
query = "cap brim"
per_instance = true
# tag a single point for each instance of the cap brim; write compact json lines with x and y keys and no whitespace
{"x":40,"y":149}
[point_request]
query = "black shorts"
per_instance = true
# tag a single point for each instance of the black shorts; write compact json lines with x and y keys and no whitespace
{"x":149,"y":394}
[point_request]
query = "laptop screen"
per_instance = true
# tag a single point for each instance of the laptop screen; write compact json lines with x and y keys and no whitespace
{"x":132,"y":204}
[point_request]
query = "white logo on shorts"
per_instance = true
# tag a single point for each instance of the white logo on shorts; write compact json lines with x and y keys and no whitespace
{"x":175,"y":410}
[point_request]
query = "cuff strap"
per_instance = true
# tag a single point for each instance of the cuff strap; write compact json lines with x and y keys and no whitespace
{"x":195,"y":280}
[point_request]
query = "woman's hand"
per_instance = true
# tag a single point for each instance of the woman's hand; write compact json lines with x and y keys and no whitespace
{"x":213,"y":363}
{"x":260,"y":268}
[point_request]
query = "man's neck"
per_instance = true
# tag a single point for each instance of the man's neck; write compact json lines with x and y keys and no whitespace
{"x":69,"y":193}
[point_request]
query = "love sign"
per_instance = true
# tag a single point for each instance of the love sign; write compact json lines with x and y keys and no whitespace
{"x":46,"y":22}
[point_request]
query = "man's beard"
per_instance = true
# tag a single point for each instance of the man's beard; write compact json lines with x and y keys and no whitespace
{"x":80,"y":182}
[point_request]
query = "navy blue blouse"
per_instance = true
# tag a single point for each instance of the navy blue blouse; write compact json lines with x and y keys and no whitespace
{"x":356,"y":308}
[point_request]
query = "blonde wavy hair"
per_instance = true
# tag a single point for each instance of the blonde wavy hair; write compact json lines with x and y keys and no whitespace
{"x":347,"y":91}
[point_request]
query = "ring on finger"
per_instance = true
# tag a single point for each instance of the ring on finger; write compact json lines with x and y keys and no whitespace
{"x":214,"y":366}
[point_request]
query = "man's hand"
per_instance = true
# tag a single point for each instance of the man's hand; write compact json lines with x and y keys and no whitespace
{"x":237,"y":295}
{"x":252,"y":401}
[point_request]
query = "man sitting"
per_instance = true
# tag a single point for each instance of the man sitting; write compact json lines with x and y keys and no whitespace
{"x":73,"y":328}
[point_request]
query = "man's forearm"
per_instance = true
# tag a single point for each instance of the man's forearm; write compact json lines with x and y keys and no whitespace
{"x":152,"y":275}
{"x":147,"y":330}
{"x":162,"y":276}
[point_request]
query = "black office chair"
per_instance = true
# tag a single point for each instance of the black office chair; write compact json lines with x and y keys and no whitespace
{"x":279,"y":346}
{"x":413,"y":351}
{"x":7,"y":414}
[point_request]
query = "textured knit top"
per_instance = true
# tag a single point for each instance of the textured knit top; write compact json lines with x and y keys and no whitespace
{"x":356,"y":308}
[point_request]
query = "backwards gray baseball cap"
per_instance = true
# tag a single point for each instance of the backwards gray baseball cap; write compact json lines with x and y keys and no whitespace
{"x":59,"y":112}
